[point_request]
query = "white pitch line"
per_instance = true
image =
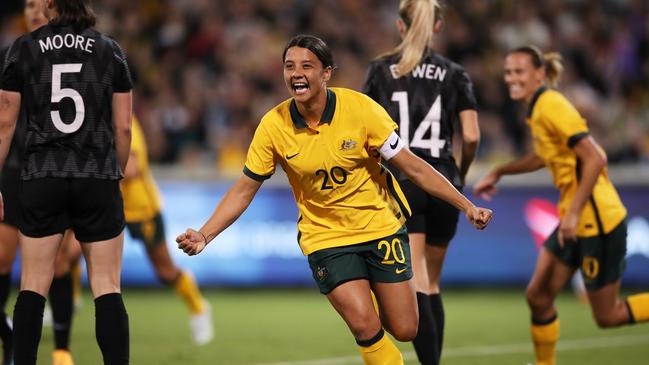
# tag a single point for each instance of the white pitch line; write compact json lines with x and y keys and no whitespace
{"x":519,"y":348}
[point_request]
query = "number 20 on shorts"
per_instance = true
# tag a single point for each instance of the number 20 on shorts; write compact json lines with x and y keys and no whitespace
{"x":393,"y":252}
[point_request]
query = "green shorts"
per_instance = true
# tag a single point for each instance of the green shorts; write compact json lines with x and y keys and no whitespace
{"x":601,"y":258}
{"x":385,"y":260}
{"x":150,"y":232}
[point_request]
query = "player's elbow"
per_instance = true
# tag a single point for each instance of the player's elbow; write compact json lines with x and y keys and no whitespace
{"x":471,"y":138}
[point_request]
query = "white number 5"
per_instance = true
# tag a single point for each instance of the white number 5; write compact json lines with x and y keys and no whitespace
{"x":59,"y":94}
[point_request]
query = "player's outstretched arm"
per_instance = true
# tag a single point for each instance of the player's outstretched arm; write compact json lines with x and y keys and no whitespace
{"x":233,"y":204}
{"x":486,"y":186}
{"x":434,"y":183}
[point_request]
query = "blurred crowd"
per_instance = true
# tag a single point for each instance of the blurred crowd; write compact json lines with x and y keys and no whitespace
{"x":207,"y":70}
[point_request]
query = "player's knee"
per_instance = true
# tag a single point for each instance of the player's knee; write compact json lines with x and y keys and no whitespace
{"x":606,"y":320}
{"x":536,"y":299}
{"x":364,"y":326}
{"x":405,"y":329}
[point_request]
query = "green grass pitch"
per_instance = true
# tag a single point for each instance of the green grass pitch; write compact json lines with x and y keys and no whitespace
{"x":298,"y":327}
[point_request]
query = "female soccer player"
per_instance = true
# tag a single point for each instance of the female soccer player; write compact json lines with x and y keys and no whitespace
{"x":426,"y":94}
{"x":592,"y":230}
{"x":75,"y":88}
{"x":352,"y":211}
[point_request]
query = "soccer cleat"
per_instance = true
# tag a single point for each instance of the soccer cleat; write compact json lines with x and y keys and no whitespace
{"x":201,"y":325}
{"x":62,"y":357}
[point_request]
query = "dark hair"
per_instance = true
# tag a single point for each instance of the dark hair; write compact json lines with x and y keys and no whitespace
{"x":551,"y":62}
{"x":313,"y":44}
{"x":74,"y":12}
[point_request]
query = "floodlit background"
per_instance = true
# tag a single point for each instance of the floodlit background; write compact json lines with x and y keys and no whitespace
{"x":209,"y":69}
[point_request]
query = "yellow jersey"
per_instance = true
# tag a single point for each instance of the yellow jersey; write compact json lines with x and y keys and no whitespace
{"x":557,"y":127}
{"x":141,"y":196}
{"x":343,"y":193}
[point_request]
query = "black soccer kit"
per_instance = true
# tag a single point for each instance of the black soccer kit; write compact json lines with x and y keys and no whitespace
{"x":66,"y":77}
{"x":426,"y":104}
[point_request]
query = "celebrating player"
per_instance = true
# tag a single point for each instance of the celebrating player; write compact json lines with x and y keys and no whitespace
{"x":426,"y":94}
{"x":352,"y":211}
{"x":74,"y":87}
{"x":592,"y":230}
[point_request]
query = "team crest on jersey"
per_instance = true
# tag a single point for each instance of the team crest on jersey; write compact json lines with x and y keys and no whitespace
{"x":348,"y":145}
{"x":321,"y":273}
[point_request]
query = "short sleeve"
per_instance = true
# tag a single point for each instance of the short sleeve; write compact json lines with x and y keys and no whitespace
{"x":260,"y":162}
{"x":11,"y":78}
{"x":122,"y":81}
{"x":378,"y":124}
{"x":564,"y":118}
{"x":465,"y":96}
{"x":369,"y":86}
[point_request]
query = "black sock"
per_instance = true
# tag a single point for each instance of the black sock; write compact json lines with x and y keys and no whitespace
{"x":5,"y":329}
{"x":62,"y":306}
{"x":111,"y":329}
{"x":438,"y":314}
{"x":426,"y":343}
{"x":28,"y":323}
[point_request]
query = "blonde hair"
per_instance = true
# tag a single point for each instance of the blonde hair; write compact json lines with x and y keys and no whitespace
{"x":419,"y":16}
{"x":552,"y":62}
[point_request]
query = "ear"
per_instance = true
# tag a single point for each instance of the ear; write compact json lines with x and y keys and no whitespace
{"x":401,"y":26}
{"x":328,"y":71}
{"x":438,"y":26}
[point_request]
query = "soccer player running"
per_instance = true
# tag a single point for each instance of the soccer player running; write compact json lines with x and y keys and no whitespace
{"x":427,"y":94}
{"x":329,"y":142}
{"x":73,"y":85}
{"x":592,"y":230}
{"x":142,"y":210}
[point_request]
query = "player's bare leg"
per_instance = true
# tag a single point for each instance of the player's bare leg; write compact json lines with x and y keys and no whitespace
{"x":549,"y":277}
{"x":353,"y":301}
{"x":104,"y":263}
{"x":609,"y":310}
{"x":38,"y":257}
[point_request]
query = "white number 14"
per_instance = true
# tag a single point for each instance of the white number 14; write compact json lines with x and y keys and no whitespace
{"x":431,"y":122}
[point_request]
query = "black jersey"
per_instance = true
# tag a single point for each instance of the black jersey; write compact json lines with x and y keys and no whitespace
{"x":66,"y":77}
{"x":425,"y":104}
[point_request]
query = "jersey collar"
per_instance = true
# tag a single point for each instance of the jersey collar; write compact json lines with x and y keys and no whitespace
{"x":327,"y":115}
{"x":535,"y":98}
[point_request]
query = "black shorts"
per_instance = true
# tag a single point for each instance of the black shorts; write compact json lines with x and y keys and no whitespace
{"x":432,"y":216}
{"x":151,"y":232}
{"x":92,"y":208}
{"x":10,"y":187}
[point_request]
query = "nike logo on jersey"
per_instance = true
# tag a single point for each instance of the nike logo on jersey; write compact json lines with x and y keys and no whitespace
{"x":400,"y":270}
{"x":291,"y":156}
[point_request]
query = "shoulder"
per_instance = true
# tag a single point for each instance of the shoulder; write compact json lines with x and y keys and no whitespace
{"x":278,"y":115}
{"x":551,"y":99}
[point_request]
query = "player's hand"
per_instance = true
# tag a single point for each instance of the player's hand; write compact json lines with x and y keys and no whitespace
{"x":485,"y":188}
{"x":479,"y":217}
{"x":191,"y":242}
{"x":568,"y":229}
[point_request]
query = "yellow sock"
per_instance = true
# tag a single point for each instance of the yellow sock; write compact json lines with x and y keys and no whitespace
{"x":639,"y":306}
{"x":545,"y":338}
{"x":376,"y":304}
{"x":75,"y":270}
{"x":188,"y":290}
{"x":383,"y":352}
